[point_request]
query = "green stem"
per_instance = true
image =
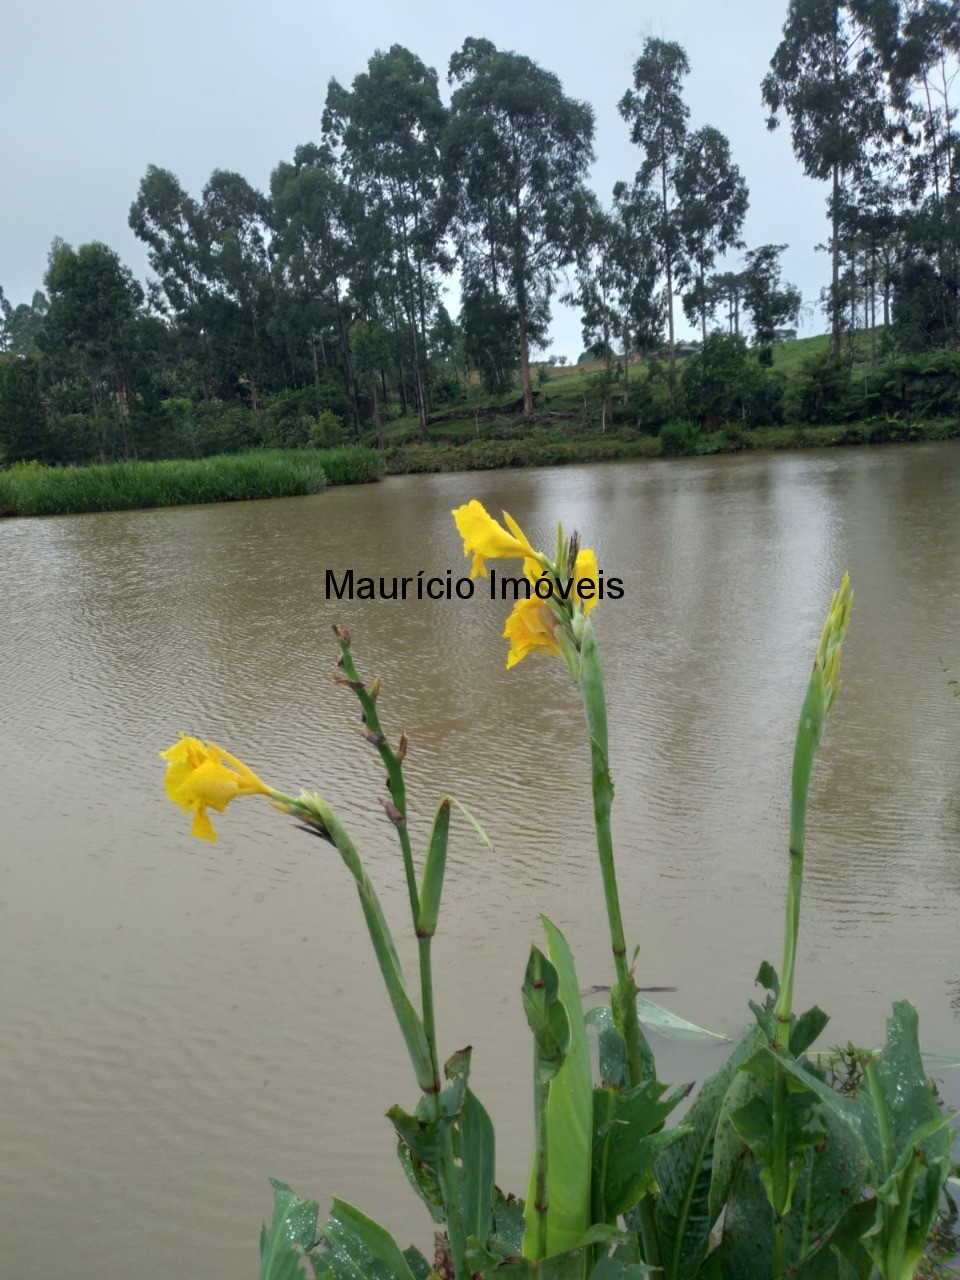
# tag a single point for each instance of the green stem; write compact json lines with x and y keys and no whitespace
{"x":448,"y":1172}
{"x":624,"y":995}
{"x":896,"y":1242}
{"x":541,"y":1095}
{"x":426,"y":997}
{"x":394,"y":767}
{"x":781,"y":1169}
{"x":422,"y":1054}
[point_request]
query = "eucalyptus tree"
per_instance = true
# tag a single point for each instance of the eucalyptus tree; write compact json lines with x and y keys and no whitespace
{"x":517,"y":152}
{"x":824,"y":76}
{"x":23,"y":434}
{"x":234,"y":258}
{"x":657,"y":114}
{"x":387,"y":130}
{"x":616,"y":278}
{"x":712,"y":202}
{"x":19,"y":325}
{"x":88,"y":331}
{"x":770,"y":301}
{"x":918,"y":43}
{"x":168,"y":220}
{"x":314,"y":255}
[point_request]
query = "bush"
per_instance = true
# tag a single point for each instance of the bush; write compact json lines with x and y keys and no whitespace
{"x":819,"y":390}
{"x":327,"y":431}
{"x":678,"y":438}
{"x":721,"y":383}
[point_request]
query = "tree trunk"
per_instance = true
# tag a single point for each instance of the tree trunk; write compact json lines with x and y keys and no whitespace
{"x":525,"y":355}
{"x":668,"y":263}
{"x":376,"y":411}
{"x":835,"y":325}
{"x":703,"y":304}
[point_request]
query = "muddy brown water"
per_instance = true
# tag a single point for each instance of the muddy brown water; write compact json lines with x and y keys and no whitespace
{"x":181,"y":1021}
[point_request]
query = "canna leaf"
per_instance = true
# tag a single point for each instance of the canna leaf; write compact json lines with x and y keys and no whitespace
{"x":477,"y":1178}
{"x":628,"y":1136}
{"x":569,"y":1117}
{"x":683,"y":1173}
{"x":292,"y":1232}
{"x":354,"y":1247}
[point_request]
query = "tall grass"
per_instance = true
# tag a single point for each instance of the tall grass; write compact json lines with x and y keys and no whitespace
{"x":30,"y":490}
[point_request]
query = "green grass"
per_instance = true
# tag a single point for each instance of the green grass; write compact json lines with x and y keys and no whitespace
{"x":31,"y":490}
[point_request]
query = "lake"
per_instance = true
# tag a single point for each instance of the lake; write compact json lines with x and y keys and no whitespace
{"x":184,"y":1020}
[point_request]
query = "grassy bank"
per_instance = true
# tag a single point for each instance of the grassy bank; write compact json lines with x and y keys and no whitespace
{"x":31,"y":490}
{"x":549,"y":449}
{"x":28,"y":489}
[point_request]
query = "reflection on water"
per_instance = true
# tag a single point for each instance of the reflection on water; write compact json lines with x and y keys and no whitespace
{"x":183,"y":1020}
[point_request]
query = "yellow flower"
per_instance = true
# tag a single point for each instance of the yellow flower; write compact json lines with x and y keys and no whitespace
{"x":530,"y":626}
{"x":533,"y":624}
{"x":201,"y":776}
{"x":485,"y":539}
{"x":586,"y":568}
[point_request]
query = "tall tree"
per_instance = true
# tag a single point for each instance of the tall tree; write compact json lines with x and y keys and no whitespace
{"x":388,"y":128}
{"x":712,"y":203}
{"x":20,"y":325}
{"x":725,"y":289}
{"x":168,"y":220}
{"x":657,"y":115}
{"x":616,"y":278}
{"x":770,"y":302}
{"x":314,"y":254}
{"x":89,"y":329}
{"x":234,"y":257}
{"x":918,"y":45}
{"x":22,"y":417}
{"x":518,"y":150}
{"x":826,"y":80}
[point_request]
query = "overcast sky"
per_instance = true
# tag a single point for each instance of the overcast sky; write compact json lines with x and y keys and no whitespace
{"x":92,"y":91}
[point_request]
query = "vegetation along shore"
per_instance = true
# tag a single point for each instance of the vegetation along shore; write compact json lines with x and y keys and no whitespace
{"x":313,"y":315}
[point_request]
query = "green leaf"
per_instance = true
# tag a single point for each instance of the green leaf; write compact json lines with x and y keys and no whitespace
{"x":420,"y":1135}
{"x":627,"y":1139}
{"x":747,"y":1248}
{"x":898,"y":1121}
{"x":354,"y":1247}
{"x":546,"y":1015}
{"x":292,"y":1231}
{"x":477,"y":1153}
{"x":805,"y":1030}
{"x":569,"y":1116}
{"x":435,"y":863}
{"x":669,"y":1024}
{"x":684,"y":1173}
{"x":767,"y":978}
{"x":728,"y":1146}
{"x":506,"y":1236}
{"x":423,"y":1178}
{"x":417,"y":1263}
{"x":434,"y":866}
{"x":611,"y":1047}
{"x":615,"y":1269}
{"x":805,"y":1128}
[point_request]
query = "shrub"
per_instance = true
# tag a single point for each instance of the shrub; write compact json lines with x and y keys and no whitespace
{"x":678,"y":438}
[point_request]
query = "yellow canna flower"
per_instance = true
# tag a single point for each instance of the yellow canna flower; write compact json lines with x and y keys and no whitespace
{"x":585,"y":568}
{"x":485,"y":539}
{"x":530,"y":626}
{"x":201,"y":776}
